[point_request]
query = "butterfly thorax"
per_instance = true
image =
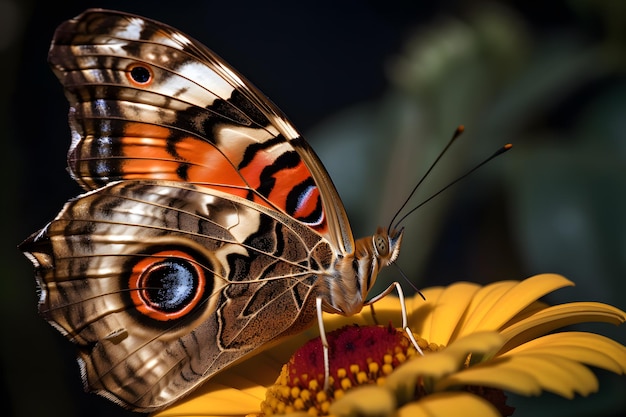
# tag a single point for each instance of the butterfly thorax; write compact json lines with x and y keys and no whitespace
{"x":356,"y":273}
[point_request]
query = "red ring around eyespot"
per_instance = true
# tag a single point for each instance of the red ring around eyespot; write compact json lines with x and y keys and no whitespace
{"x":139,"y":74}
{"x":140,"y":288}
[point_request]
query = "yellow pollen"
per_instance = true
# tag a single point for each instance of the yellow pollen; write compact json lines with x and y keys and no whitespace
{"x":300,"y":387}
{"x":346,"y":384}
{"x":361,"y":378}
{"x":373,"y":368}
{"x":298,"y":404}
{"x":314,"y":385}
{"x":321,"y":396}
{"x":305,"y":394}
{"x":338,"y":394}
{"x":387,"y":368}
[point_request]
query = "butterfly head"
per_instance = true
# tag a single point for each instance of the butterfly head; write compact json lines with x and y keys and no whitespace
{"x":387,"y":245}
{"x":357,"y":272}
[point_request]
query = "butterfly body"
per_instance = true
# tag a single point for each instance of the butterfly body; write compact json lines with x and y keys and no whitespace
{"x":209,"y":228}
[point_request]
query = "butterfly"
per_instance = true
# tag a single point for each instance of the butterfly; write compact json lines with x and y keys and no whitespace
{"x":208,"y":227}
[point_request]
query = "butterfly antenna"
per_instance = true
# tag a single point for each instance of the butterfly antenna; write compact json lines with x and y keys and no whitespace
{"x":496,"y":153}
{"x":456,"y":134}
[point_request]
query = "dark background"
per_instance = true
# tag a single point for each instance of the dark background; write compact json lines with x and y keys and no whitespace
{"x":377,"y":87}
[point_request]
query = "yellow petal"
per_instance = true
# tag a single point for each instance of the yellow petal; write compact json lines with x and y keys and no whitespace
{"x":481,"y":343}
{"x":502,"y":377}
{"x":430,"y":294}
{"x":446,"y":404}
{"x":589,"y":348}
{"x":404,"y":380}
{"x":434,"y":366}
{"x":236,"y":391}
{"x":364,"y":401}
{"x":533,"y":308}
{"x":558,"y":316}
{"x":482,"y":301}
{"x":559,"y":375}
{"x":527,"y":374}
{"x":451,"y":305}
{"x":214,"y":400}
{"x":491,"y":316}
{"x":420,"y":313}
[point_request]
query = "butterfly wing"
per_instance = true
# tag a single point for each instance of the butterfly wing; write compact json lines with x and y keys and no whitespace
{"x":208,"y":221}
{"x":149,"y":102}
{"x":162,"y":284}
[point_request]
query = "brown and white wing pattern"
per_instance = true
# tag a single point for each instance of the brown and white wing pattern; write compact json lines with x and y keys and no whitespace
{"x":162,"y":285}
{"x":209,"y":227}
{"x":149,"y":102}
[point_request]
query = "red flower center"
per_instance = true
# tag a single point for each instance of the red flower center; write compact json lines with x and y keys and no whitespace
{"x":358,"y":356}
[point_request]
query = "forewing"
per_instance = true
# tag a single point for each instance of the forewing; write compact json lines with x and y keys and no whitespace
{"x":149,"y":102}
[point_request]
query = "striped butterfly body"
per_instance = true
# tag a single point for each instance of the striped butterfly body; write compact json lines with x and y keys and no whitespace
{"x":208,"y":229}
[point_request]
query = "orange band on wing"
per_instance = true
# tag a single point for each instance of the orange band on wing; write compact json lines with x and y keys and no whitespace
{"x":276,"y":172}
{"x":284,"y":179}
{"x":150,"y":153}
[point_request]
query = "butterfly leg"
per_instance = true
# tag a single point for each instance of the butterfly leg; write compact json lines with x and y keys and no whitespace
{"x":320,"y":323}
{"x":373,"y":313}
{"x":405,"y":326}
{"x":405,"y":319}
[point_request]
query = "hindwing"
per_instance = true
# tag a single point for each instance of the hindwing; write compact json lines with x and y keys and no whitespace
{"x":162,"y":284}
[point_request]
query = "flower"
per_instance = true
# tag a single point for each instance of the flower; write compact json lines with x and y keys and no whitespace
{"x":480,"y":341}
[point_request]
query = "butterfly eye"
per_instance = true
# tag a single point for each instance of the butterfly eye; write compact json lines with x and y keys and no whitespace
{"x":381,"y":244}
{"x":167,"y":285}
{"x":139,"y":74}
